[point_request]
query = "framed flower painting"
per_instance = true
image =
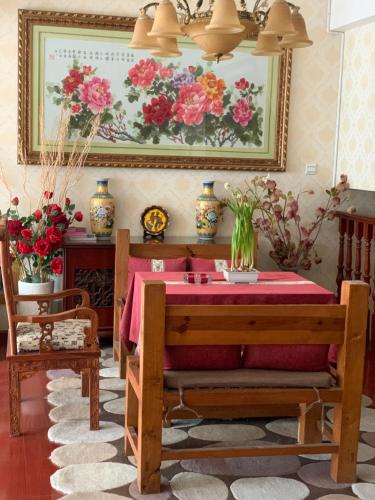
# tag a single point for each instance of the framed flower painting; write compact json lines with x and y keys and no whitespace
{"x":167,"y":113}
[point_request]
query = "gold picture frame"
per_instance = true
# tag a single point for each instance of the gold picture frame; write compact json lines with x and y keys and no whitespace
{"x":38,"y":28}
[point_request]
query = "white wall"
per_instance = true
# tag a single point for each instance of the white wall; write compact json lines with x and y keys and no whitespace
{"x":346,"y":14}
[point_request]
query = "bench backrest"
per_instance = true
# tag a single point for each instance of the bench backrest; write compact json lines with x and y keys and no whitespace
{"x":159,"y":250}
{"x":179,"y":325}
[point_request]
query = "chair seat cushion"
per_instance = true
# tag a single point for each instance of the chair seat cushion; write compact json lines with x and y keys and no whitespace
{"x":68,"y":334}
{"x":174,"y":379}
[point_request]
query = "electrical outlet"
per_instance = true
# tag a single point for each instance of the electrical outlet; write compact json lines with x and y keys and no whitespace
{"x":311,"y":169}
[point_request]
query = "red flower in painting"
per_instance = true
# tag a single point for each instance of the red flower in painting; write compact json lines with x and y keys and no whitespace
{"x":76,"y":108}
{"x":86,"y":70}
{"x":242,"y":84}
{"x":42,"y":247}
{"x":48,"y":195}
{"x":72,"y":81}
{"x":143,"y":73}
{"x":57,"y":265}
{"x":158,"y":112}
{"x":217,"y":108}
{"x":165,"y":72}
{"x":242,"y":113}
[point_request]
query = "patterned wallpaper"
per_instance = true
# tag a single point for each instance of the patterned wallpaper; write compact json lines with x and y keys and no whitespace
{"x":357,"y":123}
{"x":311,"y":139}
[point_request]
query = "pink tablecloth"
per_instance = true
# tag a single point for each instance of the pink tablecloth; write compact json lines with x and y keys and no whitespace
{"x":272,"y":288}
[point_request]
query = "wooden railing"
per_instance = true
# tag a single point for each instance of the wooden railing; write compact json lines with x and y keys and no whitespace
{"x":356,"y":239}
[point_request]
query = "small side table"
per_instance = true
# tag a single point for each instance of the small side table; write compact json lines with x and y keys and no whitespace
{"x":91,"y":265}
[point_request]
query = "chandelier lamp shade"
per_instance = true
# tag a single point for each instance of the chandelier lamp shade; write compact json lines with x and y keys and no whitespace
{"x":219,"y":27}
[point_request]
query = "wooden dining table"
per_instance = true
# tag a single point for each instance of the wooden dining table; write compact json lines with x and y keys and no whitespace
{"x":271,"y":288}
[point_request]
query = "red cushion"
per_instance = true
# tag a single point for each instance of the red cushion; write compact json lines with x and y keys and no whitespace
{"x":145,"y":265}
{"x":312,"y":358}
{"x":202,"y":358}
{"x":206,"y":265}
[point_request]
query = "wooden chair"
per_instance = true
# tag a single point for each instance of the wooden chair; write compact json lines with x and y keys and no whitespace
{"x":151,"y":394}
{"x":32,"y":339}
{"x":163,"y":250}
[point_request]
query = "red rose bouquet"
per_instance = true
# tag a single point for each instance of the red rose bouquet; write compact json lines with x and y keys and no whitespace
{"x":36,"y":239}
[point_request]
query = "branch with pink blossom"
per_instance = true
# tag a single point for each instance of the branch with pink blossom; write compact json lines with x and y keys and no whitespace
{"x":293,"y":241}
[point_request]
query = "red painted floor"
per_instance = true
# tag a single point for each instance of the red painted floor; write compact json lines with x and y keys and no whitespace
{"x":24,"y":465}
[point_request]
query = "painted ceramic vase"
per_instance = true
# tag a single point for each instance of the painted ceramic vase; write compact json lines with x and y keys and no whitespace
{"x":102,"y":211}
{"x":208,"y":211}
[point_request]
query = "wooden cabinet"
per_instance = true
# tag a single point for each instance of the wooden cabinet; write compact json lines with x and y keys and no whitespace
{"x":91,"y":265}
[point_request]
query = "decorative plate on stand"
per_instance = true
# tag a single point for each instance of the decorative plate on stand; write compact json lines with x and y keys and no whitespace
{"x":155,"y":220}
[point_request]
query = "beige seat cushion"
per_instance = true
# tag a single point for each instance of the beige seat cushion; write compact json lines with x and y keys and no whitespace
{"x":174,"y":379}
{"x":68,"y":334}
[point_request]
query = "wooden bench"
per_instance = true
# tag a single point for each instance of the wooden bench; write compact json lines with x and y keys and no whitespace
{"x":151,"y":393}
{"x":153,"y":250}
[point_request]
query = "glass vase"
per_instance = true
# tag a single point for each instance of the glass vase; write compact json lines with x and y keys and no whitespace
{"x":242,"y":246}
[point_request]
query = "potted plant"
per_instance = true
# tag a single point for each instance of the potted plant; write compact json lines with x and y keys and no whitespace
{"x":36,"y":241}
{"x":292,"y":240}
{"x":242,"y":204}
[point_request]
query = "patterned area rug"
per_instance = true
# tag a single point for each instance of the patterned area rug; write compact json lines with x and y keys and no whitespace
{"x":93,"y":466}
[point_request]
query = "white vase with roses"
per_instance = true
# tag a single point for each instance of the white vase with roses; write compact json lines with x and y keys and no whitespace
{"x":36,"y":242}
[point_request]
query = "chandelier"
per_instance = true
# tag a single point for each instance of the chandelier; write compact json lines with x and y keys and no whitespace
{"x":220,"y":28}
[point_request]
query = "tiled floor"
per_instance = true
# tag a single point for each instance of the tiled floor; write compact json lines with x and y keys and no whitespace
{"x":24,"y":465}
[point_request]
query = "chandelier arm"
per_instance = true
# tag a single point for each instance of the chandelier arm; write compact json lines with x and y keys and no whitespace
{"x":199,"y":5}
{"x":183,"y":4}
{"x":260,"y":16}
{"x":256,"y":6}
{"x":145,"y":8}
{"x":293,"y":6}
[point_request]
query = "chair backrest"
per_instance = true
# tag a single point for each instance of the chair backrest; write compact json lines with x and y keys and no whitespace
{"x":7,"y":276}
{"x":6,"y":268}
{"x":159,"y":250}
{"x":180,"y":325}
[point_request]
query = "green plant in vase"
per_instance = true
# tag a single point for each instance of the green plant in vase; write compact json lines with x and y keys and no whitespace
{"x":242,"y":204}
